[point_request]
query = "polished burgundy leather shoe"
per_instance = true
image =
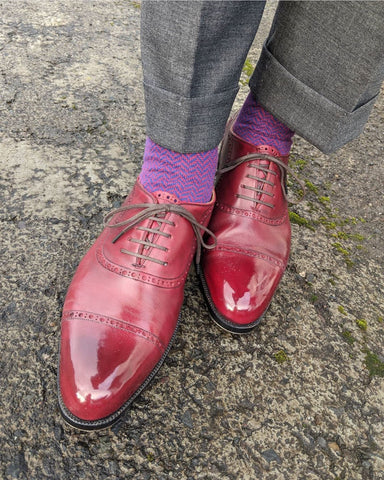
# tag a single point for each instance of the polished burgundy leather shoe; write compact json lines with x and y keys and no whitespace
{"x":122,"y":307}
{"x":251,"y":223}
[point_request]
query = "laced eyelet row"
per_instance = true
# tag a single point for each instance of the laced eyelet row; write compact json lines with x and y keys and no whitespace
{"x":156,"y":213}
{"x":284,"y":169}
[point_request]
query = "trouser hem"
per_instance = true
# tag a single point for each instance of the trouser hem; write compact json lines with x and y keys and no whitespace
{"x":186,"y":125}
{"x":312,"y":116}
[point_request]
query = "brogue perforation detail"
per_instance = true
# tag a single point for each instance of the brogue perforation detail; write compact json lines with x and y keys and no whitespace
{"x":115,"y":323}
{"x":141,"y":276}
{"x":251,"y":253}
{"x":250,"y":214}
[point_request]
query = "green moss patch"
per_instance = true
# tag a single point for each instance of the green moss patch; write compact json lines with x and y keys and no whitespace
{"x":247,"y":72}
{"x":374,"y":365}
{"x":295,"y":218}
{"x":347,"y":335}
{"x":281,"y":356}
{"x":346,"y":240}
{"x":362,"y":324}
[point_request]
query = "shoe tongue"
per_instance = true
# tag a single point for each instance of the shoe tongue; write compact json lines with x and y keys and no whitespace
{"x":240,"y":148}
{"x":165,"y":197}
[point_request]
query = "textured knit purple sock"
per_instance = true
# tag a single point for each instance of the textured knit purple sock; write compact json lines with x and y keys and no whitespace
{"x":259,"y":127}
{"x":189,"y":176}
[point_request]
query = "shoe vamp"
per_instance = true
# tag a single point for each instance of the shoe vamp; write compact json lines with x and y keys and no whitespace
{"x":240,"y":233}
{"x":151,"y":303}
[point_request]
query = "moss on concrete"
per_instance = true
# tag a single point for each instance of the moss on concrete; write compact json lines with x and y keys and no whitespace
{"x":373,"y":363}
{"x":362,"y":324}
{"x":281,"y":356}
{"x":247,"y":71}
{"x":298,"y":220}
{"x":347,"y":335}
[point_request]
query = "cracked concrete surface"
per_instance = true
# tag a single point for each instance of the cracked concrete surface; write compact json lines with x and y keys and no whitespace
{"x":300,"y":398}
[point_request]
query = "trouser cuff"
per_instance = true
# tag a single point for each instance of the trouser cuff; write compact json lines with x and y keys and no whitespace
{"x":186,"y":125}
{"x":311,"y":115}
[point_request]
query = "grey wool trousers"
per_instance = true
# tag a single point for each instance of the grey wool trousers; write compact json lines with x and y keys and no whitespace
{"x":319,"y":73}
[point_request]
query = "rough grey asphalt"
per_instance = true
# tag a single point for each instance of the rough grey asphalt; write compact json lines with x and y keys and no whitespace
{"x":300,"y":398}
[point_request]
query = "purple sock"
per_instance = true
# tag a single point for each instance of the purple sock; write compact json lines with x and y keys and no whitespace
{"x":189,"y":176}
{"x":259,"y":127}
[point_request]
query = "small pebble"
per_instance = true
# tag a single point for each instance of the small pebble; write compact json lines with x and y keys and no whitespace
{"x":334,"y":446}
{"x":271,"y":456}
{"x":322,"y":442}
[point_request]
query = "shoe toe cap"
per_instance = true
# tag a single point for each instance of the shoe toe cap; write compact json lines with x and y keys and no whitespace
{"x":240,"y":287}
{"x":102,"y":367}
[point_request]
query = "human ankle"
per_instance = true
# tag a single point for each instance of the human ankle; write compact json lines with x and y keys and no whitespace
{"x":257,"y":126}
{"x":188,"y":176}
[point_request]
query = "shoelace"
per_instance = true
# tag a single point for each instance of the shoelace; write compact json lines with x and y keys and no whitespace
{"x":157,"y":213}
{"x":284,"y":169}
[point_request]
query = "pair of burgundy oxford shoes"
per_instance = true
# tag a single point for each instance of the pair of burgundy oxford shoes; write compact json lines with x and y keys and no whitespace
{"x":123,"y":305}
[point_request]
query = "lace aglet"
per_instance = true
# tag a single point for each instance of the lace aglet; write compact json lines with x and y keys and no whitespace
{"x":119,"y":235}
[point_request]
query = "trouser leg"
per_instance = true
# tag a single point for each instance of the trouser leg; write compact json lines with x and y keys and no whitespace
{"x":192,"y":54}
{"x":321,"y":68}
